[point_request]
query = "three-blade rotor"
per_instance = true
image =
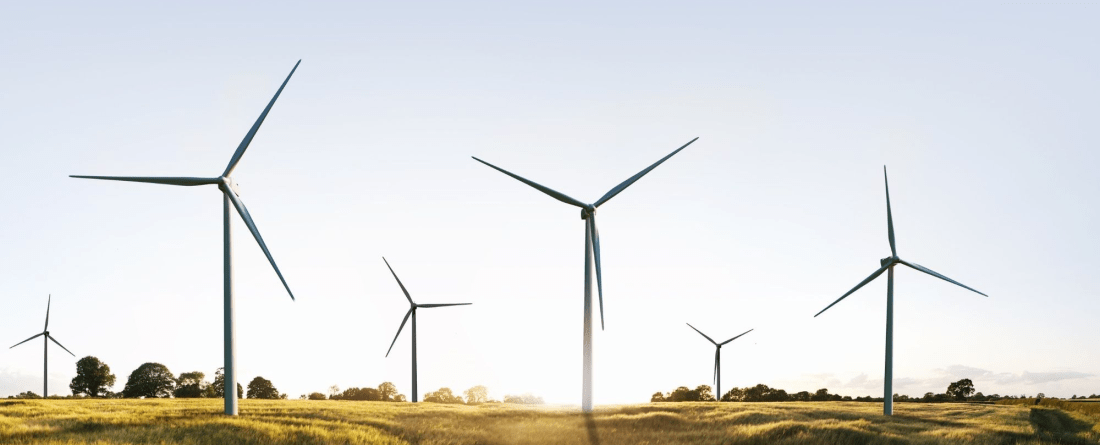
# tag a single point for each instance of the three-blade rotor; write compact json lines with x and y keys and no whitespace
{"x":46,"y":330}
{"x":413,"y":306}
{"x":717,"y":347}
{"x":893,"y":260}
{"x":227,"y":186}
{"x":588,"y":211}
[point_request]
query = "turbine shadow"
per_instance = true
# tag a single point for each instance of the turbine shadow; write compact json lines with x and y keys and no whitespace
{"x":590,"y":425}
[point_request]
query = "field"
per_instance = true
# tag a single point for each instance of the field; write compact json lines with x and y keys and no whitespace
{"x":196,"y":421}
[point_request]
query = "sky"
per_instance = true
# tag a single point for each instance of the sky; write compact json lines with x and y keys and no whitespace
{"x":983,"y":114}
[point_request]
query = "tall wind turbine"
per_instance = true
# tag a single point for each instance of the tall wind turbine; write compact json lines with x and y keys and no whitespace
{"x":888,"y":266}
{"x":718,"y":359}
{"x":412,"y":313}
{"x":591,"y":246}
{"x":230,"y":196}
{"x":46,"y":349}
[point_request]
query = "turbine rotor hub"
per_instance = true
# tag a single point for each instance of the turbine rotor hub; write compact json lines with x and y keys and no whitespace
{"x":888,"y":260}
{"x":588,"y":212}
{"x":227,"y":182}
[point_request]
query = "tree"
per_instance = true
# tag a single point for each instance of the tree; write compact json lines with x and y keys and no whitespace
{"x":191,"y":385}
{"x":261,"y":388}
{"x":477,"y":394}
{"x":150,"y":380}
{"x":821,"y":395}
{"x":353,"y":393}
{"x":316,"y":396}
{"x":93,"y":377}
{"x":526,"y":399}
{"x":386,"y":391}
{"x":399,"y":398}
{"x":961,"y":389}
{"x":444,"y":395}
{"x":217,"y":389}
{"x":703,"y":393}
{"x":333,"y":391}
{"x":657,"y":397}
{"x":27,"y":395}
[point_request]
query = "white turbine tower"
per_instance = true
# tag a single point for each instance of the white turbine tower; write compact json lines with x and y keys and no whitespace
{"x":230,"y":196}
{"x":412,"y":312}
{"x":591,"y":255}
{"x":46,"y":349}
{"x":888,"y":266}
{"x":717,"y":360}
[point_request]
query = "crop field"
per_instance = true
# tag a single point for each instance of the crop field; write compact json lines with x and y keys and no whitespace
{"x":198,"y":421}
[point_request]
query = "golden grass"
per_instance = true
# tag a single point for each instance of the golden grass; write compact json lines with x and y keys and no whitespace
{"x":197,"y":421}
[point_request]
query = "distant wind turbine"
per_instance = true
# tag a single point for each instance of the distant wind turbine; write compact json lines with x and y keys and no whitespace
{"x":46,"y":349}
{"x":412,"y":312}
{"x":888,"y":266}
{"x":718,"y":360}
{"x":230,"y":196}
{"x":591,"y":245}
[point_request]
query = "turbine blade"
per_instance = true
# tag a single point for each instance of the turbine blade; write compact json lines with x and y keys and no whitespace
{"x":399,"y":282}
{"x":889,"y":215}
{"x":443,"y":304}
{"x":184,"y":181}
{"x":599,"y":271}
{"x":619,"y":188}
{"x":256,"y":126}
{"x":27,"y":340}
{"x":861,"y":283}
{"x":407,"y":314}
{"x":715,"y":378}
{"x":554,"y":194}
{"x":47,"y":327}
{"x":701,"y":333}
{"x":59,"y":344}
{"x":243,"y":211}
{"x":937,"y":275}
{"x":737,"y":337}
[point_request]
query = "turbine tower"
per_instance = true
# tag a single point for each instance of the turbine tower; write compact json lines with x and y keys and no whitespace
{"x":412,"y":312}
{"x":230,"y":196}
{"x":718,"y":359}
{"x":591,"y":255}
{"x":45,"y":349}
{"x":887,"y":265}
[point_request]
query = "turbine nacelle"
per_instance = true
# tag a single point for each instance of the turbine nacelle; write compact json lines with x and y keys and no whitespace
{"x":226,"y":184}
{"x":588,"y":211}
{"x":889,"y":260}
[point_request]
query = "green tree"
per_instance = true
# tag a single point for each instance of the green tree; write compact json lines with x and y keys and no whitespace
{"x":477,"y":394}
{"x":261,"y":388}
{"x":444,"y":395}
{"x":657,"y":397}
{"x":217,"y":389}
{"x":961,"y":389}
{"x":93,"y":378}
{"x":316,"y":396}
{"x":703,"y":393}
{"x":191,"y":385}
{"x":150,"y":380}
{"x":386,"y":391}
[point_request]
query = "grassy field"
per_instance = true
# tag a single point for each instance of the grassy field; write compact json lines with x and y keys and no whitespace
{"x":196,"y":421}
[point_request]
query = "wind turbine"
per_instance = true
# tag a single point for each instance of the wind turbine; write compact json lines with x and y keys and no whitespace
{"x":591,"y":246}
{"x":888,"y":266}
{"x":46,"y":349}
{"x":412,"y":312}
{"x":718,"y":359}
{"x":230,"y":196}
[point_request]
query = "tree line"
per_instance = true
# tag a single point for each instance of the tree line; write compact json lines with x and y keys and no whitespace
{"x":154,"y":380}
{"x":960,"y":391}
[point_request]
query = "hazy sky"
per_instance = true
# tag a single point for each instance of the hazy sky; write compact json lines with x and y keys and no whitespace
{"x":984,"y":114}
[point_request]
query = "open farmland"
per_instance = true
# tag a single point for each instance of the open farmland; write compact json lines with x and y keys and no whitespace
{"x":200,"y":421}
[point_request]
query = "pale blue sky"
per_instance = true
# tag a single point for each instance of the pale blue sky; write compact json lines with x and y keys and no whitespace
{"x":983,"y":112}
